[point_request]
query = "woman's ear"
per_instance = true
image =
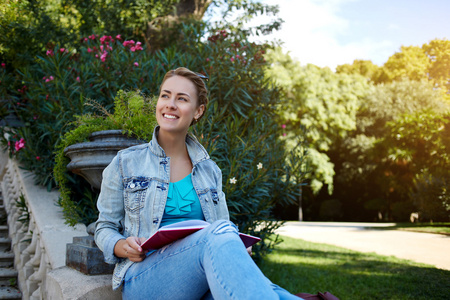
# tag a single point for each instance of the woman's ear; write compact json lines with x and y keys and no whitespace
{"x":200,"y":111}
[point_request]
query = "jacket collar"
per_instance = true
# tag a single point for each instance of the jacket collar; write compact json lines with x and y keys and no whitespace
{"x":196,"y":151}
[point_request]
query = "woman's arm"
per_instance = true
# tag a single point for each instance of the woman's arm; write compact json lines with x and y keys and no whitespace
{"x":110,"y":204}
{"x":222,"y":199}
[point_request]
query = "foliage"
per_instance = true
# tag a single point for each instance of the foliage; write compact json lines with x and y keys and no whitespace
{"x":377,"y":162}
{"x":323,"y":102}
{"x":430,"y":62}
{"x":362,"y":67}
{"x":411,"y":62}
{"x":28,"y":27}
{"x":133,"y":113}
{"x":421,"y":142}
{"x":54,"y":89}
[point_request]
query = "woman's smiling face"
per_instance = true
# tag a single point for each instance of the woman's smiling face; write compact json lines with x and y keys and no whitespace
{"x":177,"y":105}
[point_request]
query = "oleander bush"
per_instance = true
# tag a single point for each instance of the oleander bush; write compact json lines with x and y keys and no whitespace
{"x":240,"y":129}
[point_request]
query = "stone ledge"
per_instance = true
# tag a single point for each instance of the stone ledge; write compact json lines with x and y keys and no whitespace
{"x":55,"y":234}
{"x":65,"y":283}
{"x":58,"y":281}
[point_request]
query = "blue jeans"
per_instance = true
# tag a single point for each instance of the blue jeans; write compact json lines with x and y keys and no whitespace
{"x":209,"y":264}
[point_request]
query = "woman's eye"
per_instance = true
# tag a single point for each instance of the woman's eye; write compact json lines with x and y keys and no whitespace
{"x":164,"y":96}
{"x":182,"y":99}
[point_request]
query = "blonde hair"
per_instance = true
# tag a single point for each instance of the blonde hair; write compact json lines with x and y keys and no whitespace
{"x":196,"y":79}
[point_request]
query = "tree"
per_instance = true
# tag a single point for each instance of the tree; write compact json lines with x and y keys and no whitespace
{"x":411,"y":62}
{"x":421,"y":141}
{"x":438,"y":51}
{"x":430,"y":62}
{"x":363,"y":67}
{"x":320,"y":106}
{"x":369,"y":180}
{"x":323,"y":102}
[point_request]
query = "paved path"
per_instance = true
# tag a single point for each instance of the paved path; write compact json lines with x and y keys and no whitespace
{"x":433,"y":249}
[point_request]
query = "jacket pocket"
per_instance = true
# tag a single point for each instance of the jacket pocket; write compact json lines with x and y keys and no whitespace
{"x":135,"y":189}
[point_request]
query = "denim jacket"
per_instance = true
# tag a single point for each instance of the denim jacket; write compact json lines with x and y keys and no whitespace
{"x":134,"y":193}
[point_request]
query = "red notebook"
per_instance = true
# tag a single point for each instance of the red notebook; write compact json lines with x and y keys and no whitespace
{"x":170,"y":233}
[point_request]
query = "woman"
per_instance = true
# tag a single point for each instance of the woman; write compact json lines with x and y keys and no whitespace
{"x":168,"y":180}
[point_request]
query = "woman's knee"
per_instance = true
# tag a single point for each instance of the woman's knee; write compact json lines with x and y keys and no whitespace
{"x":223,"y":226}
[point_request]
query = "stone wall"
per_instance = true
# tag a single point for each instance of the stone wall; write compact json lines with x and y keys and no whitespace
{"x":40,"y":244}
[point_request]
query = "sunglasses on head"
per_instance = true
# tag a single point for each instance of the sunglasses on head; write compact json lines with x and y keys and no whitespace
{"x":204,"y":77}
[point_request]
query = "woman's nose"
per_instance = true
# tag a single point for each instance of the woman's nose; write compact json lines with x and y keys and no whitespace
{"x":171,"y":104}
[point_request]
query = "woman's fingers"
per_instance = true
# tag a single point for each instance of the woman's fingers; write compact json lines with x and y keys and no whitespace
{"x":133,"y":249}
{"x":135,"y":243}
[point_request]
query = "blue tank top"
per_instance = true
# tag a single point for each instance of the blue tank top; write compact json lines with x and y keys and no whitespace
{"x":182,"y":203}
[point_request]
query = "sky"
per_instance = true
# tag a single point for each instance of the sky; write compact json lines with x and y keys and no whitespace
{"x":333,"y":32}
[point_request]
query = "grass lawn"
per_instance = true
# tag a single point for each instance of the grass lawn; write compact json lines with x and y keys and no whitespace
{"x":301,"y":266}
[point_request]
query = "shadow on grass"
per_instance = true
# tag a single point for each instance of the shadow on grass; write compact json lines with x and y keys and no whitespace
{"x":310,"y":267}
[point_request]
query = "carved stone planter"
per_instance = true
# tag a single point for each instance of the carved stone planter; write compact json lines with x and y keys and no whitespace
{"x":91,"y":158}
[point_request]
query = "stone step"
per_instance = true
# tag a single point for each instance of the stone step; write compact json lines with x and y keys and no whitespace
{"x":5,"y":244}
{"x":4,"y":230}
{"x":7,"y":292}
{"x":6,"y":259}
{"x":8,"y":277}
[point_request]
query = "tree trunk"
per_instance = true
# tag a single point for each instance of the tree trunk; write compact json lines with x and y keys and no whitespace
{"x":160,"y":30}
{"x":300,"y":208}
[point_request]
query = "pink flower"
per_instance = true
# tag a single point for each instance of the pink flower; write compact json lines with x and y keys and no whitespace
{"x":119,"y":37}
{"x":22,"y":90}
{"x":92,"y":37}
{"x":133,"y":46}
{"x":85,"y":39}
{"x":35,"y":117}
{"x":96,"y":55}
{"x":104,"y":39}
{"x":78,"y":78}
{"x":46,"y":97}
{"x":38,"y":158}
{"x":283,"y":126}
{"x":62,"y":50}
{"x":207,"y":59}
{"x":51,"y":78}
{"x":108,"y":47}
{"x":43,"y":78}
{"x":3,"y":65}
{"x":138,"y":46}
{"x":136,"y":64}
{"x":284,"y":134}
{"x":104,"y":55}
{"x":50,"y":52}
{"x":20,"y":144}
{"x":232,"y":59}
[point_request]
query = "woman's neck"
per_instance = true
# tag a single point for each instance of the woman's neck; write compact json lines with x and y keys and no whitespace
{"x":173,"y":144}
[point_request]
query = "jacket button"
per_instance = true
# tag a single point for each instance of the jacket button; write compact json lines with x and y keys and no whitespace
{"x":132,"y":186}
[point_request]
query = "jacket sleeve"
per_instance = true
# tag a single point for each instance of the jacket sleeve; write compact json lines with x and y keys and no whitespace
{"x":111,"y":209}
{"x":224,"y":214}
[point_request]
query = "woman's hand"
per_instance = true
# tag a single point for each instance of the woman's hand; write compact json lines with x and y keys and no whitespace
{"x":249,"y":250}
{"x":130,"y":248}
